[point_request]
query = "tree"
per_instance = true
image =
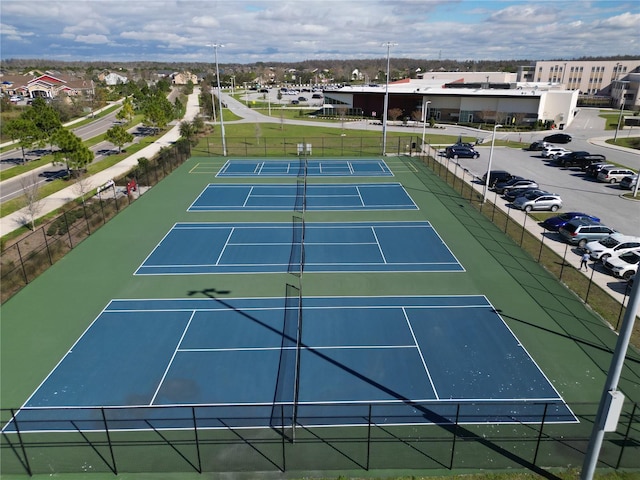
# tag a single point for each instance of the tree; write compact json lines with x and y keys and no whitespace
{"x":23,"y":131}
{"x":157,"y":111}
{"x":187,"y":131}
{"x":31,"y":189}
{"x":72,"y":152}
{"x":118,"y":135}
{"x":198,"y":124}
{"x":44,"y":116}
{"x":126,"y":113}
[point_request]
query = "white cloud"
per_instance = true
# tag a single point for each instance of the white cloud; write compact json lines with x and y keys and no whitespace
{"x":626,"y":20}
{"x":93,"y":39}
{"x":287,"y":30}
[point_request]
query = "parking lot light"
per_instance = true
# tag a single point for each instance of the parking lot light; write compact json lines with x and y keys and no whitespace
{"x":486,"y":183}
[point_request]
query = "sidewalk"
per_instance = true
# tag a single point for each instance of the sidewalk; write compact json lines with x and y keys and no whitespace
{"x":17,"y":219}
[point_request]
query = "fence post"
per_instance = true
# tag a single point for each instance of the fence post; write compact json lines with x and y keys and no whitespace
{"x":66,"y":222}
{"x":586,"y":297}
{"x":506,"y":222}
{"x":106,"y":431}
{"x":524,"y":224}
{"x":284,"y":446}
{"x":455,"y":436}
{"x":540,"y":252}
{"x":86,"y":219}
{"x":626,"y":435}
{"x":195,"y":431}
{"x":46,"y":244}
{"x":24,"y":463}
{"x":368,"y":439}
{"x":544,"y":417}
{"x":566,"y":247}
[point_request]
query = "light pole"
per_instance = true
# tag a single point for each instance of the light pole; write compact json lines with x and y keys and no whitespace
{"x":424,"y":122}
{"x":224,"y":142}
{"x":486,"y":182}
{"x":386,"y":102}
{"x":615,"y":136}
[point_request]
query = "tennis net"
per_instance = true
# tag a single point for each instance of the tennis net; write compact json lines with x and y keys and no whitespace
{"x":300,"y":204}
{"x":285,"y":402}
{"x":296,"y":256}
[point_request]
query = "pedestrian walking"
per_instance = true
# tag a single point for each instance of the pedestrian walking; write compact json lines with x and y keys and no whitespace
{"x":583,"y":261}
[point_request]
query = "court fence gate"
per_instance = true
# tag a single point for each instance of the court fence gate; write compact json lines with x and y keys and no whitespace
{"x":224,"y":439}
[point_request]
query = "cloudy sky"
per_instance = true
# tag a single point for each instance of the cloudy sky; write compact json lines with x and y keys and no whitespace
{"x":296,"y":30}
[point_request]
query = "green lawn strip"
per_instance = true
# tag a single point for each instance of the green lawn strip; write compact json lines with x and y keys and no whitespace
{"x":612,"y":117}
{"x":627,"y":142}
{"x":10,"y":206}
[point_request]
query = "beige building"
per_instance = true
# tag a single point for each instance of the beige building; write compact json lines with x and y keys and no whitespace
{"x":589,"y":77}
{"x":183,"y":78}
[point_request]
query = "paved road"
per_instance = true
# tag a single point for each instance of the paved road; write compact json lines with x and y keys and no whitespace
{"x":14,"y":221}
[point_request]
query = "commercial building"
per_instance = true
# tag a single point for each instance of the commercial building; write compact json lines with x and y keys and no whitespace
{"x":488,"y":97}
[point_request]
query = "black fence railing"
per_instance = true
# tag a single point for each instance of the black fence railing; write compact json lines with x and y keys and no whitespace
{"x":204,"y":438}
{"x":331,"y":146}
{"x":21,"y":262}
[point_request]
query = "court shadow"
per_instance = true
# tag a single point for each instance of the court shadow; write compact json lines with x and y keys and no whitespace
{"x":456,"y":430}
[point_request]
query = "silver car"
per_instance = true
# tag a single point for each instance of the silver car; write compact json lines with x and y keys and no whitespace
{"x":614,"y":174}
{"x":538,"y":200}
{"x":629,"y":183}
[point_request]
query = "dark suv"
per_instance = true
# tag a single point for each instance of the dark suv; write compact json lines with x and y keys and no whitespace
{"x":459,"y":151}
{"x":496,"y":176}
{"x":579,"y":159}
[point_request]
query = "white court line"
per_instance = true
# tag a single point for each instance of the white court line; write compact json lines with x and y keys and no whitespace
{"x":373,"y":230}
{"x":244,"y":204}
{"x":175,"y":352}
{"x":224,"y":246}
{"x":424,"y":363}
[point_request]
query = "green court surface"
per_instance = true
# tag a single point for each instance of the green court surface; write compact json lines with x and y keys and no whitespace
{"x":571,"y":345}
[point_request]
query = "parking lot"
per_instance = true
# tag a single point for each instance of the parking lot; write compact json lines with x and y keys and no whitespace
{"x":578,"y":192}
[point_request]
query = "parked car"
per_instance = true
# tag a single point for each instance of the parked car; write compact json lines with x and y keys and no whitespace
{"x":538,"y":200}
{"x":614,"y":174}
{"x":316,"y":95}
{"x":538,"y":145}
{"x":553,"y":151}
{"x":496,"y":176}
{"x":629,"y":183}
{"x":455,"y":151}
{"x":579,"y":159}
{"x":554,"y":223}
{"x":624,"y":266}
{"x":614,"y":244}
{"x":580,"y":232}
{"x":513,"y":184}
{"x":558,"y":138}
{"x":514,"y":193}
{"x":594,"y":169}
{"x":502,"y":183}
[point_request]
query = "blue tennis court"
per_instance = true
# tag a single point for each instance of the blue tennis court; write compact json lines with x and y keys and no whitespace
{"x":414,"y":359}
{"x":300,"y":167}
{"x":370,"y":196}
{"x":207,"y":248}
